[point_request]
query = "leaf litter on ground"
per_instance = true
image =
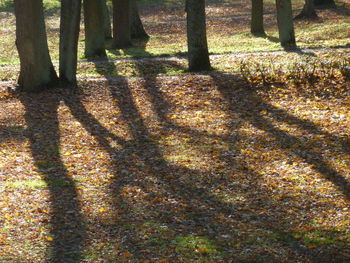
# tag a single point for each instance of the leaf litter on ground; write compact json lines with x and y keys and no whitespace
{"x":187,"y":168}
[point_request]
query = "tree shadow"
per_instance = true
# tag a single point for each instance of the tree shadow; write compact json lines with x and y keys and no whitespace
{"x":178,"y":197}
{"x":13,"y":132}
{"x":273,"y":39}
{"x":150,"y":157}
{"x":286,"y":141}
{"x":170,"y":176}
{"x":150,"y":160}
{"x":301,"y":52}
{"x":121,"y":160}
{"x":268,"y":37}
{"x":137,"y":50}
{"x":66,"y":222}
{"x":340,"y":10}
{"x":141,"y":166}
{"x":191,"y":191}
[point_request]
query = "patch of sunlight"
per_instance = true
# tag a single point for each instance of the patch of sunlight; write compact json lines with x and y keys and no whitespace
{"x":31,"y":184}
{"x":36,"y":184}
{"x":192,"y":245}
{"x":229,"y":198}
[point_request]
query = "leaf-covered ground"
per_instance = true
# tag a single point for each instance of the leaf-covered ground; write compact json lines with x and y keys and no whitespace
{"x":188,"y":168}
{"x":147,"y":163}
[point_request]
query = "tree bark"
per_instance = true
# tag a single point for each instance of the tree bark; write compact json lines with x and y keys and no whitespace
{"x":198,"y":54}
{"x":308,"y":11}
{"x":137,"y":29}
{"x":285,"y":24}
{"x":107,"y":20}
{"x":69,"y":35}
{"x":257,"y":20}
{"x":121,"y":24}
{"x":94,"y":29}
{"x":37,"y":72}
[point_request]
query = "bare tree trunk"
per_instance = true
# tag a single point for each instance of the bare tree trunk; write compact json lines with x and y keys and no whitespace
{"x":107,"y":20}
{"x":285,"y":24}
{"x":257,"y":20}
{"x":37,"y":72}
{"x":69,"y":35}
{"x":137,"y":29}
{"x":121,"y":24}
{"x":308,"y":11}
{"x":198,"y":54}
{"x":94,"y":29}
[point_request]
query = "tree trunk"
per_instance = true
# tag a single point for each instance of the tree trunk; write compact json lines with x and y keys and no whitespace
{"x":308,"y":11}
{"x":285,"y":24}
{"x":94,"y":29}
{"x":320,"y":3}
{"x":198,"y":54}
{"x":69,"y":35}
{"x":257,"y":20}
{"x":107,"y":20}
{"x":121,"y":24}
{"x":37,"y":71}
{"x":137,"y":29}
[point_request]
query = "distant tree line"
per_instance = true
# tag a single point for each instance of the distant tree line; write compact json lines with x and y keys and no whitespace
{"x":284,"y":21}
{"x":284,"y":18}
{"x":37,"y":71}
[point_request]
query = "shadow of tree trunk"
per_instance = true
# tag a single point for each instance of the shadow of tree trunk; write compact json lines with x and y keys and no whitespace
{"x":67,"y":224}
{"x":249,"y":99}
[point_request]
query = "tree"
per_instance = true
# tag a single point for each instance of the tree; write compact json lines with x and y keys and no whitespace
{"x":69,"y":35}
{"x":37,"y":71}
{"x":107,"y":20}
{"x":121,"y":24}
{"x":198,"y":55}
{"x":285,"y":23}
{"x":308,"y":11}
{"x":137,"y":29}
{"x":94,"y":28}
{"x":257,"y":19}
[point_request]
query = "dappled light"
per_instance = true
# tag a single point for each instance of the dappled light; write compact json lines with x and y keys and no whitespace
{"x":221,"y":171}
{"x":142,"y":160}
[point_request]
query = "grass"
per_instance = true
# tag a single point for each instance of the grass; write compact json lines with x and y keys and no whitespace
{"x":30,"y":184}
{"x":50,"y":6}
{"x":196,"y":249}
{"x":225,"y":35}
{"x":35,"y":183}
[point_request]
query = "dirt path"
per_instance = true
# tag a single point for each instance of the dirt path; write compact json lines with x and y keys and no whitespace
{"x":179,"y":57}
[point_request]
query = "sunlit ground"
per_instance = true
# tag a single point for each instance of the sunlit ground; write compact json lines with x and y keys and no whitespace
{"x":196,"y":168}
{"x":145,"y":162}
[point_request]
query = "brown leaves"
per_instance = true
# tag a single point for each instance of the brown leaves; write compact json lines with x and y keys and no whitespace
{"x":177,"y":169}
{"x":317,"y":77}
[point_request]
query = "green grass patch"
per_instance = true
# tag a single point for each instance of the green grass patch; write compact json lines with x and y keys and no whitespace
{"x":234,"y":37}
{"x":243,"y":42}
{"x":193,"y":246}
{"x":49,"y":5}
{"x":37,"y":184}
{"x":314,"y":238}
{"x":28,"y":184}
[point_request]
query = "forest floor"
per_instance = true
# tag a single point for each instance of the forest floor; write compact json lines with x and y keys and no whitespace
{"x":188,"y":168}
{"x":145,"y":162}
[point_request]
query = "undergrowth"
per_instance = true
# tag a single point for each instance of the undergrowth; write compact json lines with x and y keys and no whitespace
{"x":309,"y":76}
